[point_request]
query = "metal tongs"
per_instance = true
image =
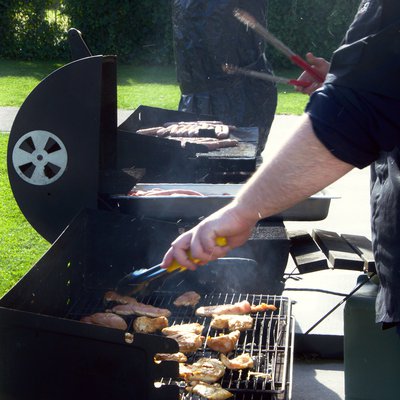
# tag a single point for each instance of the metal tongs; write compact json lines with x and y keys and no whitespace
{"x":233,"y":69}
{"x":137,"y":280}
{"x":250,"y":21}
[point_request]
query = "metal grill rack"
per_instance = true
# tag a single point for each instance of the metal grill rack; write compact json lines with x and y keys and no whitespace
{"x":269,"y":342}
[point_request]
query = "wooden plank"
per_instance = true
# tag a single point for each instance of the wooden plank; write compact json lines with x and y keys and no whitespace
{"x":307,"y":256}
{"x":363,"y":247}
{"x":339,"y":253}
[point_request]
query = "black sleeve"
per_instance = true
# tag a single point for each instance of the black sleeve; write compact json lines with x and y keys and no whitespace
{"x":354,"y":126}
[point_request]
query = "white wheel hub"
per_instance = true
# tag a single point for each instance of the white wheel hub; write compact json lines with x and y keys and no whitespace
{"x":39,"y":157}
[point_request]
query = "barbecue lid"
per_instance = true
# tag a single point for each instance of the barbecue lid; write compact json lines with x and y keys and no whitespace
{"x":54,"y":146}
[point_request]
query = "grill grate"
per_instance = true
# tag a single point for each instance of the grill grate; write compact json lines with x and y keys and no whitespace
{"x":270,"y":342}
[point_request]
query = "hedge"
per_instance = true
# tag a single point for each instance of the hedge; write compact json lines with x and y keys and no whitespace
{"x":27,"y":31}
{"x":309,"y":25}
{"x":137,"y":31}
{"x":141,"y":31}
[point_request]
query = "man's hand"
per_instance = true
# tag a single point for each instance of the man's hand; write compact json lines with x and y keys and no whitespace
{"x":200,"y":242}
{"x":320,"y":65}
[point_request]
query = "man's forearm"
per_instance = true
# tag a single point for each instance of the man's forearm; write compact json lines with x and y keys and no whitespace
{"x":302,"y":167}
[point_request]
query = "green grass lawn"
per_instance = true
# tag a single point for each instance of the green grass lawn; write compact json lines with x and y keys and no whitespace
{"x":147,"y":85}
{"x":20,"y":245}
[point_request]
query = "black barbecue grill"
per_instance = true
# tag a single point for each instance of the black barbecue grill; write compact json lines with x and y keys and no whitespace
{"x":42,"y":337}
{"x":67,"y":159}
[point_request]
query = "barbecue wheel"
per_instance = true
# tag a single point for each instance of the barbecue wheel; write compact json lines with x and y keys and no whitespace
{"x":39,"y":157}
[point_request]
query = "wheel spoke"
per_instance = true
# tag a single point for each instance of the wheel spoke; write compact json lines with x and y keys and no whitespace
{"x":22,"y":157}
{"x":39,"y":176}
{"x":58,"y":158}
{"x":40,"y":141}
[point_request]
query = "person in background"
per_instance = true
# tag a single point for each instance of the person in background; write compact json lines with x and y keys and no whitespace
{"x":206,"y":36}
{"x":351,"y":121}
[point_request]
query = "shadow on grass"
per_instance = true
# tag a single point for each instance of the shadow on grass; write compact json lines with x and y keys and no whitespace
{"x":34,"y":69}
{"x":131,"y":74}
{"x":126,"y":74}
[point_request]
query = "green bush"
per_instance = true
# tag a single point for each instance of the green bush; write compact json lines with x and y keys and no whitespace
{"x":309,"y":25}
{"x":27,"y":32}
{"x":141,"y":31}
{"x":137,"y":31}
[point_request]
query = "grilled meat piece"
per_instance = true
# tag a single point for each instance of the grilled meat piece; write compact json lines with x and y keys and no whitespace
{"x":221,"y":131}
{"x":263,"y":375}
{"x":263,"y":307}
{"x":242,"y":307}
{"x":211,"y":392}
{"x":240,"y":362}
{"x":187,"y":299}
{"x":193,"y":327}
{"x":210,"y":143}
{"x":188,"y":341}
{"x":164,"y":192}
{"x":232,"y":322}
{"x":149,"y":131}
{"x":149,"y":325}
{"x":224,"y":343}
{"x":114,"y":296}
{"x":179,"y":357}
{"x":141,"y":309}
{"x":189,"y":129}
{"x":205,"y":369}
{"x":106,"y":319}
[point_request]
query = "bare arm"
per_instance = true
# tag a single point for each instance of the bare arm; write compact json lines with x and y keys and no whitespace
{"x":302,"y":167}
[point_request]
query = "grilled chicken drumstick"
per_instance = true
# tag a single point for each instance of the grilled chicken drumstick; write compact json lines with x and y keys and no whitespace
{"x":210,"y":392}
{"x":187,"y":299}
{"x":179,"y":357}
{"x":193,"y":327}
{"x":106,"y":319}
{"x":224,"y":343}
{"x":232,"y":322}
{"x":205,"y":369}
{"x":149,"y":325}
{"x":240,"y":362}
{"x":188,"y":341}
{"x":242,"y":307}
{"x":140,"y":309}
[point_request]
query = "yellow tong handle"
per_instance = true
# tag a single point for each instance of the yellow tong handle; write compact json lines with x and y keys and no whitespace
{"x":220,"y":241}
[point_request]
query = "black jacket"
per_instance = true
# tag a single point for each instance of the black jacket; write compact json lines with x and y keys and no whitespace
{"x":370,"y":50}
{"x":356,"y":115}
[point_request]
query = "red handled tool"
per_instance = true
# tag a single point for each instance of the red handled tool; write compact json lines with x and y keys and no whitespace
{"x":250,"y":21}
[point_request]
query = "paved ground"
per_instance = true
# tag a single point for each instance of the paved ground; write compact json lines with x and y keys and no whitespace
{"x":313,"y":379}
